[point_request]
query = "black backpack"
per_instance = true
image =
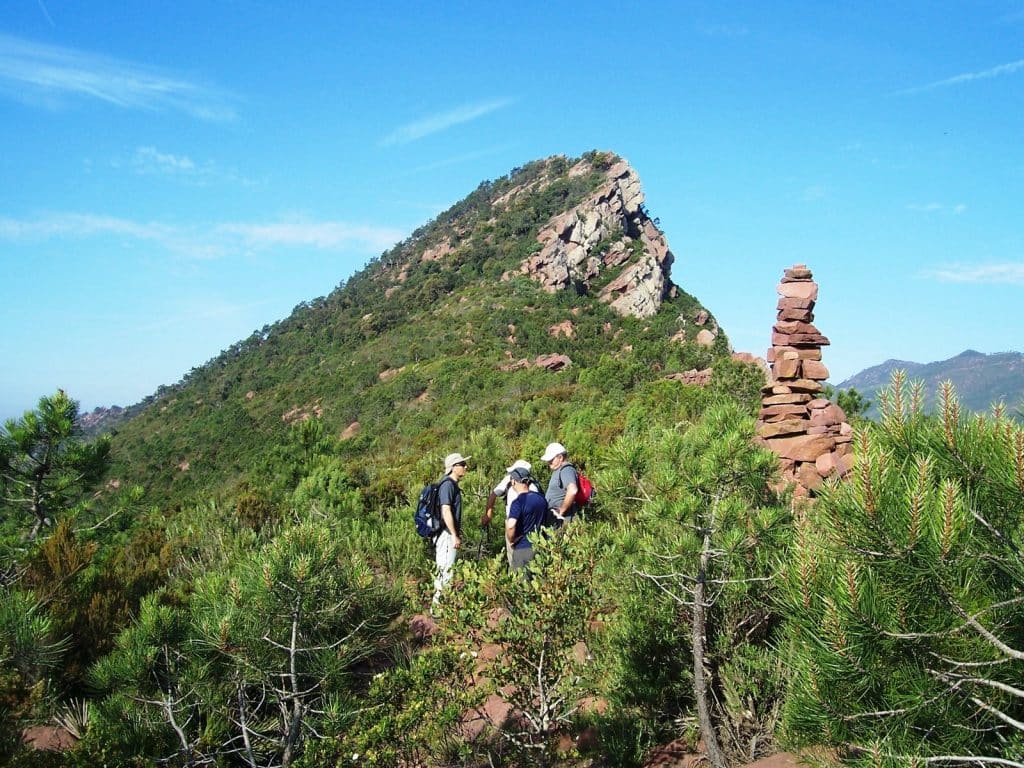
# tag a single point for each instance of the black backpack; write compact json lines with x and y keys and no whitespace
{"x":428,"y":511}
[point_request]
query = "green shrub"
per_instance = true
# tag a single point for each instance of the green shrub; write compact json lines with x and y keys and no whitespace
{"x":904,"y":594}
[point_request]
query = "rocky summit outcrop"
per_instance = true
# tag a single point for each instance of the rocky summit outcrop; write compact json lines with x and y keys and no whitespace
{"x":607,"y":235}
{"x":809,"y":433}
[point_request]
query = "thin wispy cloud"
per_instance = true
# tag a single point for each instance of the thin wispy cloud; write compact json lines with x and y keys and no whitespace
{"x":815,"y":192}
{"x":956,"y":210}
{"x":457,"y":159}
{"x":210,"y":241}
{"x":46,"y":14}
{"x":189,"y":312}
{"x":968,"y":77}
{"x":322,"y":235}
{"x":150,"y":161}
{"x":442,"y":121}
{"x":1009,"y":273}
{"x":78,"y":225}
{"x":44,"y":74}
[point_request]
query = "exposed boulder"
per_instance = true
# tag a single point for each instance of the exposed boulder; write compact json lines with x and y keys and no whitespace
{"x":565,"y":328}
{"x":701,"y":378}
{"x":551,"y":362}
{"x":705,"y":337}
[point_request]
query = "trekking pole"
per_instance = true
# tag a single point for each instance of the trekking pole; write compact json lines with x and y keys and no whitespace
{"x":480,"y":547}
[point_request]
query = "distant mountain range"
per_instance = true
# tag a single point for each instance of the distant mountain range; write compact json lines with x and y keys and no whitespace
{"x":980,"y":379}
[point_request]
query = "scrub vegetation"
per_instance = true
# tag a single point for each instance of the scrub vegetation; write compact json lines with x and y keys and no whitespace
{"x":233,"y":577}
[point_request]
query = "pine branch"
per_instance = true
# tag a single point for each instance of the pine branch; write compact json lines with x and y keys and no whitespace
{"x":969,"y":759}
{"x":999,"y":713}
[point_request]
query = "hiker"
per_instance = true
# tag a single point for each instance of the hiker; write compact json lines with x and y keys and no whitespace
{"x":525,"y":517}
{"x":450,"y":538}
{"x":563,"y":485}
{"x":505,"y":490}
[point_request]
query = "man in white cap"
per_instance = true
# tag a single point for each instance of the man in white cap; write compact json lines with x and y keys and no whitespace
{"x":505,"y":489}
{"x":449,"y":497}
{"x":563,"y":485}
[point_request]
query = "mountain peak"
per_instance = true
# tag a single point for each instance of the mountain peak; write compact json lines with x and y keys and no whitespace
{"x":568,"y":224}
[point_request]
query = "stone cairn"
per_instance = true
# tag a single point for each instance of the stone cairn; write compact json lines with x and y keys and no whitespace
{"x":808,"y":432}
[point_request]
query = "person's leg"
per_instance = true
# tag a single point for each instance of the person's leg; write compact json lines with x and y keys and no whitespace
{"x":444,"y":558}
{"x":521,"y":556}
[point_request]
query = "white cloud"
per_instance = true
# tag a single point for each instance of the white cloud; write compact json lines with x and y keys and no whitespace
{"x":322,"y":235}
{"x":442,"y":121}
{"x":444,"y":163}
{"x":956,"y":210}
{"x":1009,"y":273}
{"x":43,"y":73}
{"x":78,"y":225}
{"x":150,"y":161}
{"x":209,"y":242}
{"x":967,"y":77}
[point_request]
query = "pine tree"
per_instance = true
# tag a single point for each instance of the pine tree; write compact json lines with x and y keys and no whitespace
{"x":45,"y":467}
{"x":262,"y":660}
{"x":906,"y":591}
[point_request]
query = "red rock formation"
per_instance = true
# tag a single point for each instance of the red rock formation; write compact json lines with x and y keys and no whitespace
{"x":701,"y":378}
{"x":551,"y":362}
{"x":808,"y":432}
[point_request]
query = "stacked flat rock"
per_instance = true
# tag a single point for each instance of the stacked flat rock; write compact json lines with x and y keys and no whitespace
{"x":808,"y":432}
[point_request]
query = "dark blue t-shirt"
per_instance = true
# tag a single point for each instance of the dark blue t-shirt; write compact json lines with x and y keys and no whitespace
{"x":528,"y":510}
{"x":449,"y":493}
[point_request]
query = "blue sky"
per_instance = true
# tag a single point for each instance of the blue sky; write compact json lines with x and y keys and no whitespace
{"x":174,"y":176}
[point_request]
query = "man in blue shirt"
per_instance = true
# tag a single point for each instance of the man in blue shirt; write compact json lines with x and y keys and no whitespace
{"x":525,"y":518}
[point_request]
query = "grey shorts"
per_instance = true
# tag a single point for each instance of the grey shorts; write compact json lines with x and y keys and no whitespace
{"x":521,"y":556}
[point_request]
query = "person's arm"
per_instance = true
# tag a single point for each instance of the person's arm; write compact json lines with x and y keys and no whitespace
{"x":571,"y":489}
{"x":449,"y":523}
{"x":510,"y":530}
{"x":489,"y":512}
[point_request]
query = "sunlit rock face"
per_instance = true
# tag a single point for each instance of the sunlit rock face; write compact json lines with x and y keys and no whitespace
{"x":608,"y":231}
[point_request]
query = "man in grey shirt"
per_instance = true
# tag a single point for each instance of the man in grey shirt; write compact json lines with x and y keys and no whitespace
{"x":563,"y":485}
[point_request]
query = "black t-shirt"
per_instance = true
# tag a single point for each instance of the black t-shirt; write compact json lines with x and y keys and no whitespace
{"x":449,"y":493}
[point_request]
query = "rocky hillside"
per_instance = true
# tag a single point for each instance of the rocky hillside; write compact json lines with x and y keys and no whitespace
{"x":527,"y":284}
{"x":980,"y":379}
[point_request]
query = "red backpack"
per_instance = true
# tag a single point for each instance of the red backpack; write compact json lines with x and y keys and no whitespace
{"x":586,"y":489}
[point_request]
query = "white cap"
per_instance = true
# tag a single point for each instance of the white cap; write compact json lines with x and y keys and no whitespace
{"x":452,"y":459}
{"x":553,"y":449}
{"x":520,"y":464}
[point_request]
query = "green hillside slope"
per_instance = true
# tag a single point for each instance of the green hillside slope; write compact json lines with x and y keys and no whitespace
{"x":413,"y":349}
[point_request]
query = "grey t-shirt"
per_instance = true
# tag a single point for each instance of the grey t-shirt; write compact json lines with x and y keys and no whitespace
{"x":562,"y":478}
{"x":449,"y":493}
